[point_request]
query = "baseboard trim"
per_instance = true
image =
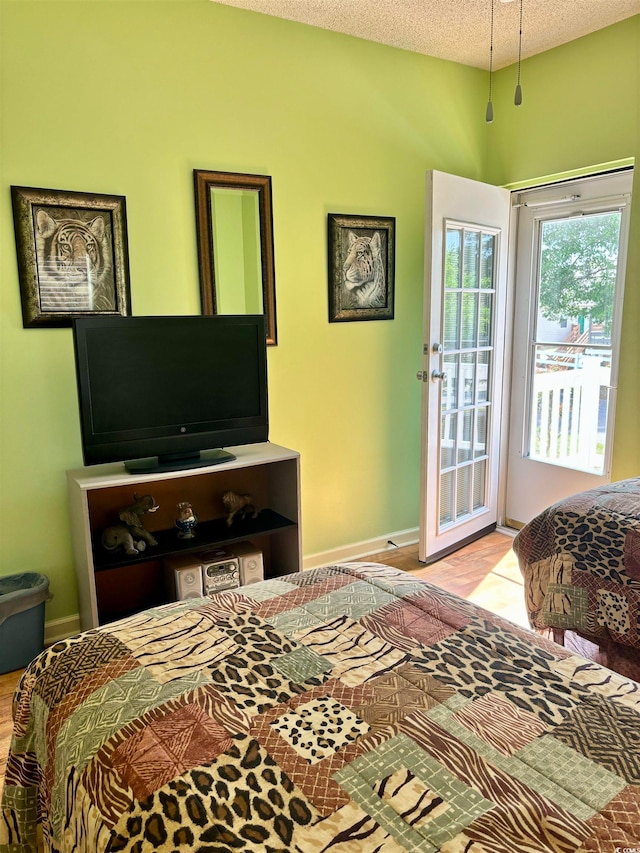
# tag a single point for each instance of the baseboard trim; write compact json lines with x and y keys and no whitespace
{"x":358,"y":550}
{"x":60,"y":629}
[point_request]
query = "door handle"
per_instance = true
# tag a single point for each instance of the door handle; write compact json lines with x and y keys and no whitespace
{"x":437,"y":375}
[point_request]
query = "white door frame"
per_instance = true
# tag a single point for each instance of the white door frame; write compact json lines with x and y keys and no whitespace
{"x":589,"y":193}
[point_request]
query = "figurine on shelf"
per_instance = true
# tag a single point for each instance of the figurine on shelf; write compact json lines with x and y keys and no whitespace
{"x":130,"y":534}
{"x":238,"y":506}
{"x":186,"y":520}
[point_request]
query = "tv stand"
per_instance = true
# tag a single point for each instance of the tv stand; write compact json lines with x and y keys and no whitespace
{"x":178,"y":461}
{"x":114,"y":584}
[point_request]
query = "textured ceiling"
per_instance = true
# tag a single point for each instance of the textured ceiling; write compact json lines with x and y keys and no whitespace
{"x":458,"y":30}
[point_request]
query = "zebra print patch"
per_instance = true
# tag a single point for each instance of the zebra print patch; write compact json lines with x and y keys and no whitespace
{"x":596,"y":679}
{"x":520,"y":818}
{"x":410,"y":798}
{"x":500,"y":723}
{"x":357,"y":654}
{"x":347,"y":830}
{"x":365,"y":777}
{"x":175,"y":646}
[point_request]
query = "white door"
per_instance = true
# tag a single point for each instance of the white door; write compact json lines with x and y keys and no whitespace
{"x":571,"y":250}
{"x":467,"y":226}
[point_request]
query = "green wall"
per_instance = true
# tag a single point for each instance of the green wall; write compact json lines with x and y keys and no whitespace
{"x":129,"y":97}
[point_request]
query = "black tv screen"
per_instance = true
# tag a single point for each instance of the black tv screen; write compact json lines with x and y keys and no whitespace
{"x":167,"y":388}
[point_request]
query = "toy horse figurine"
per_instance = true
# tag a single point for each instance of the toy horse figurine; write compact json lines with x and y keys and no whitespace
{"x":238,"y":505}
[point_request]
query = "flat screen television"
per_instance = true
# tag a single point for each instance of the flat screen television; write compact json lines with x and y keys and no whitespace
{"x":167,"y":393}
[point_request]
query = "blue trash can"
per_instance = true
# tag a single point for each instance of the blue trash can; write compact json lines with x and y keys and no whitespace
{"x":22,"y":600}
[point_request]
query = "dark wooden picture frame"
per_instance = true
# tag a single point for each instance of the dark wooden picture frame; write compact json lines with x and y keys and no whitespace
{"x":361,"y":267}
{"x":72,"y":255}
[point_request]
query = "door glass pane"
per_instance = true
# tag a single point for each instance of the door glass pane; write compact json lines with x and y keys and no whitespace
{"x":480,"y":443}
{"x":484,"y":320}
{"x":484,"y":363}
{"x":471,"y":259}
{"x":487,"y":263}
{"x":447,"y":495}
{"x":453,"y":267}
{"x":578,"y":267}
{"x":572,"y":354}
{"x":468,"y":370}
{"x":448,"y":441}
{"x":465,"y":444}
{"x":449,"y":395}
{"x":451,"y":320}
{"x":469,"y":320}
{"x":479,"y":484}
{"x":463,"y":491}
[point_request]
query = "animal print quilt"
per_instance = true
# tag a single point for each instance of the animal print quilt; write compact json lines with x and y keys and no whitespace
{"x":580,"y":560}
{"x":350,"y":709}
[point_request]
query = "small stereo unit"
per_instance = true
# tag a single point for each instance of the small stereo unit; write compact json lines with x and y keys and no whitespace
{"x":183,"y":577}
{"x":250,"y":560}
{"x":220,"y":570}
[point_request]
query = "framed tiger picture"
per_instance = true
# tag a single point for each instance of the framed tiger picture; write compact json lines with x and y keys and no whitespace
{"x":361,"y":267}
{"x":72,"y":255}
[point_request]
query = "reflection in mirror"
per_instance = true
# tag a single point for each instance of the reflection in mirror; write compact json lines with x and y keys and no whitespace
{"x":237,"y":261}
{"x":235,"y":245}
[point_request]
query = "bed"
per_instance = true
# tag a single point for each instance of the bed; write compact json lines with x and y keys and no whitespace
{"x":347,"y":708}
{"x":580,"y":560}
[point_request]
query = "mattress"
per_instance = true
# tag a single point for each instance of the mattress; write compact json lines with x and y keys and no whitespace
{"x":347,"y":708}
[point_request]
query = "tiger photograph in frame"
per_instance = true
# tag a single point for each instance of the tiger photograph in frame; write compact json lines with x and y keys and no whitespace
{"x":361,"y":267}
{"x":72,"y":255}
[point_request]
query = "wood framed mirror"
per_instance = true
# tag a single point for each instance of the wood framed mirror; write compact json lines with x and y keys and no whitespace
{"x":234,"y":226}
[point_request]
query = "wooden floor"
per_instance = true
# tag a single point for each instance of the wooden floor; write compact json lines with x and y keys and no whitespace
{"x":485,"y":572}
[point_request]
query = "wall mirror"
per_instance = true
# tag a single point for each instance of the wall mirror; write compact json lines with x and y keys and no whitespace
{"x":234,"y":224}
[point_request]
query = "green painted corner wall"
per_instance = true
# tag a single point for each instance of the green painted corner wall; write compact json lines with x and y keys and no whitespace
{"x":581,"y":108}
{"x":128,"y":98}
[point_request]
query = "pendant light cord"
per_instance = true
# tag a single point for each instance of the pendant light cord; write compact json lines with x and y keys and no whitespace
{"x":517,"y":99}
{"x":489,"y":113}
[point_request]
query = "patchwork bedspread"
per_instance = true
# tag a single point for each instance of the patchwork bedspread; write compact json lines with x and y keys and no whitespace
{"x":580,"y":560}
{"x":345,"y":709}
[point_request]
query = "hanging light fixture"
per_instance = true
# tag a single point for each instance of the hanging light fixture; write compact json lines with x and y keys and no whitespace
{"x":517,"y":98}
{"x":489,"y":113}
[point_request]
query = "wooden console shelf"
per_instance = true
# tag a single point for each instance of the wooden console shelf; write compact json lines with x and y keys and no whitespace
{"x":114,"y":584}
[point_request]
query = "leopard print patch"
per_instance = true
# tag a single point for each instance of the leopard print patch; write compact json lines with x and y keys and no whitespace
{"x":242,"y":801}
{"x":318,"y":728}
{"x":596,"y":544}
{"x":483,"y":659}
{"x":249,"y":677}
{"x":613,"y":612}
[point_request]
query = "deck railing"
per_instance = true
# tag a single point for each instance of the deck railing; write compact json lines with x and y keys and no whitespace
{"x":567,"y":422}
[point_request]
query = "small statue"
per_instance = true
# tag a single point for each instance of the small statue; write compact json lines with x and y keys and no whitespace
{"x":130,"y":534}
{"x":186,"y":520}
{"x":238,"y":505}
